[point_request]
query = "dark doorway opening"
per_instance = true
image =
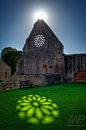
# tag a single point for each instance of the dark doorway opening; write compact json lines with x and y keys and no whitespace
{"x":44,"y":69}
{"x":5,"y":74}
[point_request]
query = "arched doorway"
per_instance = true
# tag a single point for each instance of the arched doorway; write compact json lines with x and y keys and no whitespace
{"x":80,"y":76}
{"x":44,"y":69}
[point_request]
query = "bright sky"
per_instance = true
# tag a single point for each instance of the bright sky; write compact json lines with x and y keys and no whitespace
{"x":66,"y":18}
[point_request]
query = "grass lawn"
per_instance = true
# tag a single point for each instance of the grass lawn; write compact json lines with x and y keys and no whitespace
{"x":69,"y":97}
{"x":1,"y":81}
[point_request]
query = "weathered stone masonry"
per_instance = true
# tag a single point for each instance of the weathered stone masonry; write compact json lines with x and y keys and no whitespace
{"x":49,"y":54}
{"x":74,"y":63}
{"x":5,"y":70}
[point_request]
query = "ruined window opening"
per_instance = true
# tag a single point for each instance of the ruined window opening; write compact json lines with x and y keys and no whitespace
{"x":5,"y":74}
{"x":44,"y":69}
{"x":51,"y":67}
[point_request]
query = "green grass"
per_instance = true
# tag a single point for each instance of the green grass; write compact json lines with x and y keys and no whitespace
{"x":70,"y":98}
{"x":1,"y":81}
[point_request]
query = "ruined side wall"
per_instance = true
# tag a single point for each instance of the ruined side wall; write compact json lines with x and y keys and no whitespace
{"x":74,"y":63}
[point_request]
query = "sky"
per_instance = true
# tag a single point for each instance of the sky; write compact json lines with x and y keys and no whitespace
{"x":66,"y":18}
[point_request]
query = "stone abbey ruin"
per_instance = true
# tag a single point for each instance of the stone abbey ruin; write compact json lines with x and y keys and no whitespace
{"x":43,"y":61}
{"x":43,"y":57}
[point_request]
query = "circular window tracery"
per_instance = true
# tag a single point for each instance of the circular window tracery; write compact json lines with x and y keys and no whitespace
{"x":39,"y":40}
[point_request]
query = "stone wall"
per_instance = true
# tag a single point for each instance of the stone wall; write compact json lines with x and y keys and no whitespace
{"x":14,"y":80}
{"x":80,"y":76}
{"x":37,"y":80}
{"x":74,"y":63}
{"x":49,"y":54}
{"x":5,"y":70}
{"x":53,"y":79}
{"x":40,"y":27}
{"x":32,"y":62}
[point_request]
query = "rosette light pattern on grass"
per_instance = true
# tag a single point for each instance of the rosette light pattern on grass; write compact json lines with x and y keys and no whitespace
{"x":39,"y":40}
{"x":36,"y":109}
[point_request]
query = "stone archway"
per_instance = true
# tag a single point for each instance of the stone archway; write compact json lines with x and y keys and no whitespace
{"x":80,"y":76}
{"x":44,"y":69}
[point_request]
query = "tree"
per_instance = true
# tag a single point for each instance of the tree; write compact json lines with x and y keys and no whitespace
{"x":11,"y":56}
{"x":6,"y":49}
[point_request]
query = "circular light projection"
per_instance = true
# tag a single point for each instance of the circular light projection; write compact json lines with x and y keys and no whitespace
{"x":7,"y":89}
{"x":36,"y":109}
{"x":39,"y":40}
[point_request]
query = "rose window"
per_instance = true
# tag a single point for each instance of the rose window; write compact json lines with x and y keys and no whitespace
{"x":39,"y":40}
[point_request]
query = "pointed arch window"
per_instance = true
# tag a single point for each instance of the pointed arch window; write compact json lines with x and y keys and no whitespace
{"x":6,"y":74}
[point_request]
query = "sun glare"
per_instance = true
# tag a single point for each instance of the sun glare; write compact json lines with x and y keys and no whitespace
{"x":40,"y":15}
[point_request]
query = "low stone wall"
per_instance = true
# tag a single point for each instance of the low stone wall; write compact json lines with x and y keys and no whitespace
{"x":37,"y":80}
{"x":14,"y":81}
{"x":68,"y":79}
{"x":2,"y":86}
{"x":53,"y":79}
